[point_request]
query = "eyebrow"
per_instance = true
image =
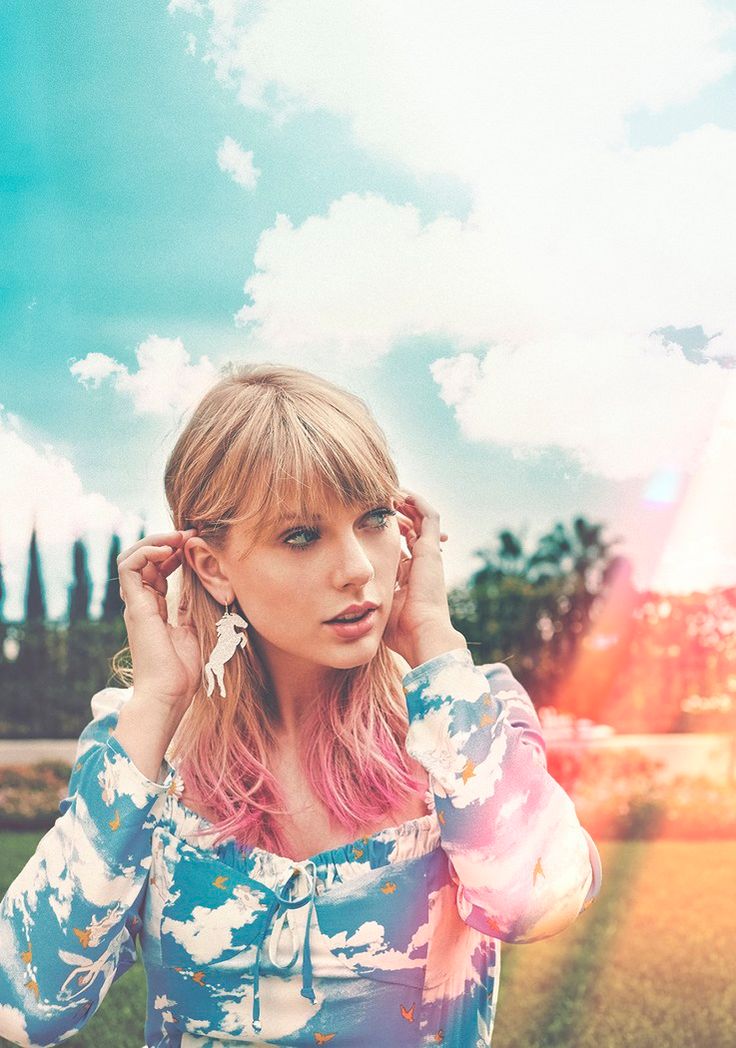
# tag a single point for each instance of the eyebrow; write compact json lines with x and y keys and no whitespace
{"x":288,"y":521}
{"x":308,"y":519}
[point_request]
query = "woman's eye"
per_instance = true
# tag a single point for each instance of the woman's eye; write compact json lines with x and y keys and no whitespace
{"x":299,"y":534}
{"x":385,"y":513}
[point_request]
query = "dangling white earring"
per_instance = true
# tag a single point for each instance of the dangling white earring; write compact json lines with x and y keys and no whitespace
{"x":227,"y":643}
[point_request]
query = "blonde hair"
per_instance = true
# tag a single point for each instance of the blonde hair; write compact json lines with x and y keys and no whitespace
{"x":263,"y":438}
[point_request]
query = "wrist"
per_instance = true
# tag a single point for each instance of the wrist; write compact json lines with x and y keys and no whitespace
{"x":161,"y":718}
{"x":435,"y":640}
{"x":145,"y":730}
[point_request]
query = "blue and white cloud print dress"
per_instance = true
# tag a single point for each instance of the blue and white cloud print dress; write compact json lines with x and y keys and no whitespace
{"x":390,"y":941}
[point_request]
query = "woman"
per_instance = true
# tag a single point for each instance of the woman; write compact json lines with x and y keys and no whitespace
{"x":319,"y":829}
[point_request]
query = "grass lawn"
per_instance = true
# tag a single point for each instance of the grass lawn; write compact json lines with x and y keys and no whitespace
{"x":649,"y":965}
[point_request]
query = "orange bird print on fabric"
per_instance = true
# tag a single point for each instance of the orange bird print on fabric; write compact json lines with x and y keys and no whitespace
{"x":493,"y":925}
{"x":197,"y":976}
{"x":500,"y":857}
{"x":83,"y":936}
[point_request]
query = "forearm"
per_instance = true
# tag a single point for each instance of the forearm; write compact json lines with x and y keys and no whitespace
{"x":523,"y":864}
{"x":433,"y":641}
{"x":64,"y":919}
{"x":145,"y":730}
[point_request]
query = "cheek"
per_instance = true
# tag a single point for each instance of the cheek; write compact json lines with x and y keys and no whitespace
{"x":392,"y":557}
{"x":288,"y":590}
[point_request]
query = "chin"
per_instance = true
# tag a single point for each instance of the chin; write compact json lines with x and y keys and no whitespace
{"x":353,"y":657}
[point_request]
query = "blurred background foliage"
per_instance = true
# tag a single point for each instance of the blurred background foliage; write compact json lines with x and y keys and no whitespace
{"x":564,"y":615}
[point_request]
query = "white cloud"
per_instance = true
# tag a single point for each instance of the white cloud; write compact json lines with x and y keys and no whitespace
{"x":353,"y":281}
{"x":238,"y":163}
{"x":449,"y":89}
{"x":94,"y":368}
{"x":166,"y":381}
{"x":576,"y":243}
{"x":621,"y":409}
{"x":576,"y":247}
{"x":190,"y":7}
{"x":38,"y":483}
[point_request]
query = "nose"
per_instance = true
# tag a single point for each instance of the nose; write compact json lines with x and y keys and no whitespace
{"x":353,"y":565}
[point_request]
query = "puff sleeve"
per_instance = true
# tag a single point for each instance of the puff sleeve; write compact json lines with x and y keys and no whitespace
{"x":523,"y":865}
{"x":69,"y":920}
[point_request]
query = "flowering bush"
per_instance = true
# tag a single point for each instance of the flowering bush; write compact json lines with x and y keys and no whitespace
{"x":623,"y":795}
{"x":617,"y":795}
{"x":30,"y":794}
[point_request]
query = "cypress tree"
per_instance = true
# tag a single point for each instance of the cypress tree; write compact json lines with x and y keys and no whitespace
{"x":35,"y":600}
{"x":112,"y":605}
{"x":81,"y":588}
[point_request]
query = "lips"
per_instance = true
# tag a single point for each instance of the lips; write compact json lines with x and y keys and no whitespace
{"x":353,"y":631}
{"x":354,"y":611}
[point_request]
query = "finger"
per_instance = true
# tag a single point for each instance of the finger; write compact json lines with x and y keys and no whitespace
{"x":415,"y":501}
{"x":153,"y":574}
{"x":171,"y":563}
{"x":407,"y":529}
{"x":410,"y":537}
{"x":152,"y":577}
{"x":163,"y":607}
{"x":425,"y":516}
{"x":156,"y":574}
{"x":404,"y":570}
{"x":177,"y":557}
{"x":130,"y":570}
{"x":169,"y":538}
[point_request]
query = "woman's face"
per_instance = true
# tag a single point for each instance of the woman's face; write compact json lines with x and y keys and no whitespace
{"x":302,"y":573}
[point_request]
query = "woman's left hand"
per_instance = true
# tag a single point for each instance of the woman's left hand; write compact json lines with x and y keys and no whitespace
{"x":420,"y":616}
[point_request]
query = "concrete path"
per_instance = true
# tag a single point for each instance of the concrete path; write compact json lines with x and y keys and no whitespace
{"x":711,"y":755}
{"x":28,"y":751}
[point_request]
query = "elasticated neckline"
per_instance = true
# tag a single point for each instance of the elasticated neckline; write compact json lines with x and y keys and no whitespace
{"x":411,"y":839}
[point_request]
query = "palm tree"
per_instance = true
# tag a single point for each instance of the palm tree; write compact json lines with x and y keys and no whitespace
{"x":535,"y":608}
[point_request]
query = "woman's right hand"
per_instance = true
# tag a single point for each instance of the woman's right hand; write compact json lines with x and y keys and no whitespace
{"x":167,"y":663}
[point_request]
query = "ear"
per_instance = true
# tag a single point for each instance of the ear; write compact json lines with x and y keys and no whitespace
{"x":205,"y":562}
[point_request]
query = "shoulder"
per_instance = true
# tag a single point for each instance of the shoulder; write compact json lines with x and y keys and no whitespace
{"x":109,"y":701}
{"x":501,"y":678}
{"x":106,"y":705}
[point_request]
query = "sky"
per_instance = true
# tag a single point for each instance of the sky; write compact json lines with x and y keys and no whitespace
{"x":509,"y":228}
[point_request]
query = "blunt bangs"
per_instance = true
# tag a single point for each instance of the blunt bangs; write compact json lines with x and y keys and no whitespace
{"x":302,"y":469}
